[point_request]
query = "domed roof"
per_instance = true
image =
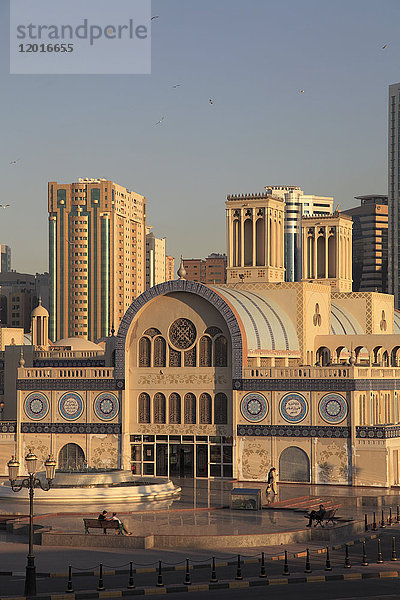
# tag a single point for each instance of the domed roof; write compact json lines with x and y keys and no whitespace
{"x":343,"y":322}
{"x":396,"y":322}
{"x":40,"y":310}
{"x":266,"y":324}
{"x":78,"y":343}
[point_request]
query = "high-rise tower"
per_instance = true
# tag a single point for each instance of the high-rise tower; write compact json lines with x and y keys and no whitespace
{"x":370,"y":243}
{"x":97,"y":252}
{"x":393,"y":193}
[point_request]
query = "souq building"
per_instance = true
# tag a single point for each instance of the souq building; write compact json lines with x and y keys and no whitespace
{"x":225,"y":381}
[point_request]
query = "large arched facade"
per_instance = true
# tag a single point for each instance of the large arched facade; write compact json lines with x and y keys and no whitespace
{"x":171,"y":287}
{"x":180,"y":348}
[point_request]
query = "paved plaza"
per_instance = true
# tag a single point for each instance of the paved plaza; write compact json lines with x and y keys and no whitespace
{"x":202,"y":509}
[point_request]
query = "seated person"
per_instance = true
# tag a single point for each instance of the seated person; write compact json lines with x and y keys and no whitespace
{"x":315,"y":514}
{"x":102,"y":516}
{"x":122,"y":529}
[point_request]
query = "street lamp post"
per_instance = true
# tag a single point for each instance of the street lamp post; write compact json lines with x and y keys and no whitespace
{"x":31,"y":482}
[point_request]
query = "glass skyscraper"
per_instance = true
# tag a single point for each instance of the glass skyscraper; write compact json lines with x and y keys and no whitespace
{"x":393,"y":192}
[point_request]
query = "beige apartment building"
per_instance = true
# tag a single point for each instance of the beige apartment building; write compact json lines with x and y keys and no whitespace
{"x":97,"y":251}
{"x":155,"y":260}
{"x":208,"y":270}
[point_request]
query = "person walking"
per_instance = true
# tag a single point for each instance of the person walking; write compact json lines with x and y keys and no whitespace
{"x":122,"y":529}
{"x":271,"y":481}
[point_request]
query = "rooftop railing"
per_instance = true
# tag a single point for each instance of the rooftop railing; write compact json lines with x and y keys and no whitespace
{"x":68,"y":353}
{"x":330,"y":372}
{"x":66,"y":373}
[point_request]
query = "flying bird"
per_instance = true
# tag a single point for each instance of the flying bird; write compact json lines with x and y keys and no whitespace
{"x":176,"y":86}
{"x":384,"y":46}
{"x":160,"y":121}
{"x":211,"y":101}
{"x":155,"y":17}
{"x":301,"y":91}
{"x":4,"y":205}
{"x":14,"y":162}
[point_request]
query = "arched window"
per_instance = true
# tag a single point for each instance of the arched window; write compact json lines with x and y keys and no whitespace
{"x":220,"y":352}
{"x":321,"y":249}
{"x":294,"y":465}
{"x":144,"y":352}
{"x":152,"y":332}
{"x":159,"y":408}
{"x":190,"y":357}
{"x":71,"y":458}
{"x":190,"y":409}
{"x":310,"y":257}
{"x":205,"y":408}
{"x":248,"y":242}
{"x":144,"y":408}
{"x":332,"y":256}
{"x":174,"y":408}
{"x":237,"y":243}
{"x":174,"y":358}
{"x":220,"y":409}
{"x":205,"y":352}
{"x":159,"y":352}
{"x":260,"y":244}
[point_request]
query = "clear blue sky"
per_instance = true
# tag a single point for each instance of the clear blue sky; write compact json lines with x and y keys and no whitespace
{"x":252,"y":57}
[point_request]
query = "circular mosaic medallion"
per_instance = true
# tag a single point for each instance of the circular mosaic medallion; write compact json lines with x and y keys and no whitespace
{"x":333,"y":408}
{"x":254,"y":407}
{"x":182,"y":334}
{"x":293,"y":408}
{"x":70,"y":406}
{"x":36,"y":406}
{"x":106,"y":407}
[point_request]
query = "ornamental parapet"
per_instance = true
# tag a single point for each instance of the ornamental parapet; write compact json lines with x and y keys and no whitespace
{"x":293,"y":431}
{"x":65,"y":373}
{"x":67,"y":353}
{"x":378,"y":432}
{"x":331,"y":372}
{"x":296,"y":372}
{"x":8,"y":426}
{"x":70,"y":428}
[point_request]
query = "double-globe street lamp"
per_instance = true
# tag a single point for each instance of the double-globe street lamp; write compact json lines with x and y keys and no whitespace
{"x":31,"y":482}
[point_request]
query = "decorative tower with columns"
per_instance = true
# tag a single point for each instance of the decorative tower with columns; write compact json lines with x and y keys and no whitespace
{"x":327,"y":250}
{"x":255,"y":229}
{"x":40,"y":326}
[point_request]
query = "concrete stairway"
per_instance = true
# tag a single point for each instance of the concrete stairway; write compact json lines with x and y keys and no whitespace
{"x":301,"y":504}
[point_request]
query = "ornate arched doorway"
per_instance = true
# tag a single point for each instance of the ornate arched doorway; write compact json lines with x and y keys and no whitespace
{"x":71,"y":458}
{"x":294,"y":465}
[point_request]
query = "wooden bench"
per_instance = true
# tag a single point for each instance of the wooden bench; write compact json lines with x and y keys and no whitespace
{"x":101,"y":524}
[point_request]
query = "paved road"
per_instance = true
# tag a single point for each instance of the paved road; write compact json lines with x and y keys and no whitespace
{"x":367,"y":590}
{"x":14,"y":585}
